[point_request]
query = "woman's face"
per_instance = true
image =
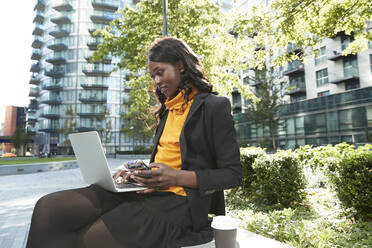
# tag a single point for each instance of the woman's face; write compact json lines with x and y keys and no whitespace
{"x":167,"y":77}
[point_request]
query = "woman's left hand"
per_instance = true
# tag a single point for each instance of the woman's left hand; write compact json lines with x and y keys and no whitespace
{"x":162,"y":177}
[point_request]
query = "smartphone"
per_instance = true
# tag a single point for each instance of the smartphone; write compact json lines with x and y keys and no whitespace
{"x":137,"y":165}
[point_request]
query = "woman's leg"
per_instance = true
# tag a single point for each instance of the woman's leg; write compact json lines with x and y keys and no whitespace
{"x":97,"y":236}
{"x":58,"y":217}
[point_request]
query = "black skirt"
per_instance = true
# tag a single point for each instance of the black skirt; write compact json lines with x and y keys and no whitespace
{"x":155,"y":220}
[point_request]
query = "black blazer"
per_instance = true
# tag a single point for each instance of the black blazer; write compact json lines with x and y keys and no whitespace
{"x":209,"y":147}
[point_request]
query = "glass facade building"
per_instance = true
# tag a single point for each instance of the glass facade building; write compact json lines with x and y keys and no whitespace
{"x":326,"y":100}
{"x":69,"y":94}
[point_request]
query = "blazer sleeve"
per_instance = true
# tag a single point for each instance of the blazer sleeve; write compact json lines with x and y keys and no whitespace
{"x":221,"y":134}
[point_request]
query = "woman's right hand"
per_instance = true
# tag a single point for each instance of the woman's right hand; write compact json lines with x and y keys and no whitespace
{"x":121,"y":173}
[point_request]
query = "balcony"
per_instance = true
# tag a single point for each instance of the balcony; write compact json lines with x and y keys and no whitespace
{"x":38,"y":30}
{"x":31,"y":130}
{"x":57,"y":46}
{"x":37,"y":43}
{"x":31,"y":119}
{"x":36,"y":54}
{"x":50,"y":115}
{"x":52,"y":85}
{"x":335,"y":55}
{"x":90,"y":114}
{"x":62,"y":5}
{"x":96,"y":71}
{"x":61,"y":19}
{"x":293,"y":48}
{"x":33,"y":106}
{"x":104,"y":61}
{"x":39,"y":18}
{"x":40,"y":5}
{"x":94,"y":86}
{"x":296,"y":89}
{"x":85,"y":129}
{"x":35,"y":67}
{"x":102,"y":19}
{"x":35,"y":80}
{"x":294,"y":69}
{"x":55,"y":72}
{"x":34,"y":92}
{"x":93,"y":43}
{"x":93,"y":99}
{"x":345,"y":79}
{"x":110,"y":5}
{"x":59,"y":32}
{"x":56,"y":60}
{"x":51,"y":100}
{"x":49,"y":129}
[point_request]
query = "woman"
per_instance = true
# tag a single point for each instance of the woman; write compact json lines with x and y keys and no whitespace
{"x":195,"y":157}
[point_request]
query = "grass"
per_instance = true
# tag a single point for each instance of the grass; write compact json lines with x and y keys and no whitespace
{"x":320,"y":222}
{"x":32,"y":160}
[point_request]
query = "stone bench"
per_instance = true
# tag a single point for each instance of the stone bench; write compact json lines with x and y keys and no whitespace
{"x":247,"y":239}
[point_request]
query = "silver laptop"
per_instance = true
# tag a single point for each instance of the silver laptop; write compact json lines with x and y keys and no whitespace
{"x":92,"y":161}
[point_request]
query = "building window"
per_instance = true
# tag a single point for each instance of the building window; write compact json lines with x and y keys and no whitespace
{"x":370,"y":61}
{"x":323,"y":93}
{"x":345,"y":40}
{"x":322,"y":77}
{"x":369,"y":44}
{"x":321,"y":56}
{"x":351,"y":67}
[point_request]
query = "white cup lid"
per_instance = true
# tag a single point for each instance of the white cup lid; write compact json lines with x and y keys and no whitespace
{"x":223,"y":222}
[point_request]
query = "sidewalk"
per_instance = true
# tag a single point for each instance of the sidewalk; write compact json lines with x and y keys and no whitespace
{"x":19,"y":193}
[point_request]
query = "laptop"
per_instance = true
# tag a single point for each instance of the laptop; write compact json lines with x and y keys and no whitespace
{"x":93,"y":164}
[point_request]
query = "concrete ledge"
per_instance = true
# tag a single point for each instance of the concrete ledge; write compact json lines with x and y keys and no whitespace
{"x":247,"y":239}
{"x":37,"y":167}
{"x":133,"y":156}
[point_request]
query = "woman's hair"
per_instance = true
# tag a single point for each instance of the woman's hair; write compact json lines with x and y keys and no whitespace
{"x":172,"y":50}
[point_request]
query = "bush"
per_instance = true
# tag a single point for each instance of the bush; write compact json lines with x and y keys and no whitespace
{"x":279,"y":179}
{"x":138,"y":150}
{"x":352,"y":180}
{"x":247,"y":157}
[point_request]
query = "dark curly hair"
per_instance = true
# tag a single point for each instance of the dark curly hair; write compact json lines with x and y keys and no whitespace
{"x":172,"y":50}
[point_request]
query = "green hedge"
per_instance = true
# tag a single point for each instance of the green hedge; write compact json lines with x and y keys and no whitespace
{"x":275,"y":179}
{"x":352,"y":181}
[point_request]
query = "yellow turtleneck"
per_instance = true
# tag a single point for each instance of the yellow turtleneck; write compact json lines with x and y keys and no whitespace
{"x":168,"y":151}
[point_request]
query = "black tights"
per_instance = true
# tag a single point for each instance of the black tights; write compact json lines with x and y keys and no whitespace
{"x":70,"y":219}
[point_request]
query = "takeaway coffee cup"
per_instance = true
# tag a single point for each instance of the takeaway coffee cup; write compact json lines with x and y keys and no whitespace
{"x":224,"y":229}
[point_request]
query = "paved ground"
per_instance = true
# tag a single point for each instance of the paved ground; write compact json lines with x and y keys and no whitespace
{"x":19,"y":193}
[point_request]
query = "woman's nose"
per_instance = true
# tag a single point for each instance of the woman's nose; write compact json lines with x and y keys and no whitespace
{"x":157,"y":80}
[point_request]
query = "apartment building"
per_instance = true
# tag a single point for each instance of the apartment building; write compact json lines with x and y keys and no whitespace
{"x":326,"y":100}
{"x":68,"y":93}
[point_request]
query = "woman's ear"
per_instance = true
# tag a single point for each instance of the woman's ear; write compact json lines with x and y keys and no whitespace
{"x":179,"y":66}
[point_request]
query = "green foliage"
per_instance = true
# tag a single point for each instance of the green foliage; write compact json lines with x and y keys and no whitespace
{"x":264,"y":112}
{"x":304,"y":23}
{"x":318,"y":224}
{"x":200,"y":23}
{"x":352,"y":180}
{"x":279,"y":179}
{"x":248,"y":156}
{"x":275,"y":179}
{"x":19,"y":138}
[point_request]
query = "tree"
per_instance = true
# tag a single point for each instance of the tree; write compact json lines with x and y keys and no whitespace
{"x":68,"y":127}
{"x":304,"y":23}
{"x":200,"y":23}
{"x":264,"y":112}
{"x":18,"y":139}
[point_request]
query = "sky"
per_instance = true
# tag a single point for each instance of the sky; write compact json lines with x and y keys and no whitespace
{"x":15,"y":43}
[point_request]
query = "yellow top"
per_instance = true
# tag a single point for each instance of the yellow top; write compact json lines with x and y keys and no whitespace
{"x":169,"y":152}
